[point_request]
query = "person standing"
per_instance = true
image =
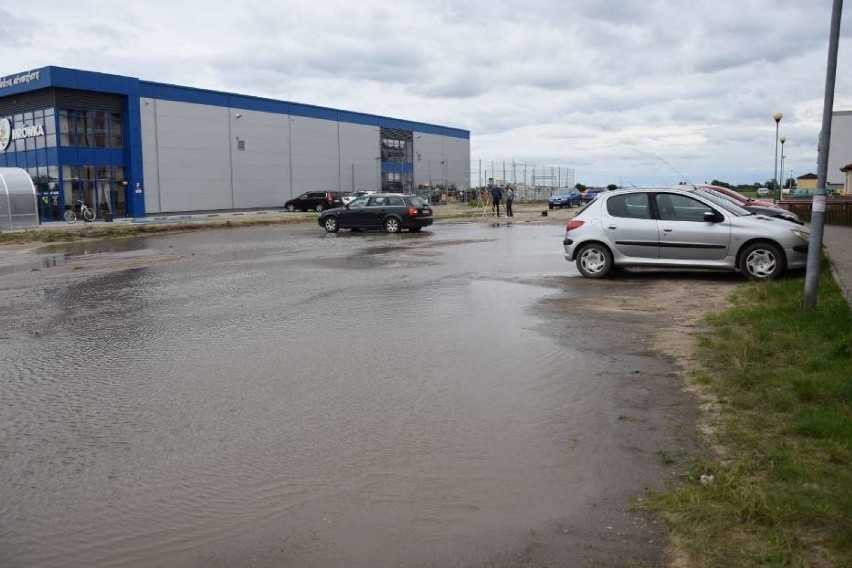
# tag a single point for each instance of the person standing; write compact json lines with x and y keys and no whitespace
{"x":496,"y":196}
{"x":510,"y":198}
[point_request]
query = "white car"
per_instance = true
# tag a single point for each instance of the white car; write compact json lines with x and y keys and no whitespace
{"x":681,"y":228}
{"x":762,"y":191}
{"x":346,"y":199}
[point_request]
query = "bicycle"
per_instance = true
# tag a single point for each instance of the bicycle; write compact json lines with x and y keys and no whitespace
{"x":86,"y":212}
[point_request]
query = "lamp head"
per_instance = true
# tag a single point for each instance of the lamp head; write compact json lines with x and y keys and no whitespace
{"x":782,"y":139}
{"x":777,"y":116}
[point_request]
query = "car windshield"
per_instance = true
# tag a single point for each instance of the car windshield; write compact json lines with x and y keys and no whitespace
{"x":723,"y":202}
{"x":418,"y":201}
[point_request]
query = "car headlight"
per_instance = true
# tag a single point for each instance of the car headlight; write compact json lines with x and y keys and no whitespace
{"x":804,"y":235}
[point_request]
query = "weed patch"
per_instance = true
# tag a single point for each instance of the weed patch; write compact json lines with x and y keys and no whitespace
{"x":781,"y":494}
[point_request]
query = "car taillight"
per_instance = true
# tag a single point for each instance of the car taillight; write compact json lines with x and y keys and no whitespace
{"x":573,"y":224}
{"x":412,"y":211}
{"x":328,"y":197}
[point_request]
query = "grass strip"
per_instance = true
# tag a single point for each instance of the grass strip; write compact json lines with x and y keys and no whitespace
{"x":781,"y":487}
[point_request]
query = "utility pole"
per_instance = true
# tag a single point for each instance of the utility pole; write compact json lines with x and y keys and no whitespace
{"x":818,"y":207}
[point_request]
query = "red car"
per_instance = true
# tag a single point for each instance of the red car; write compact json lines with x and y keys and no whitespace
{"x":742,"y":198}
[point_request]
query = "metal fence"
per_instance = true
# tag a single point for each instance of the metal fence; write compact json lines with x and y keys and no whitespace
{"x":531,"y":181}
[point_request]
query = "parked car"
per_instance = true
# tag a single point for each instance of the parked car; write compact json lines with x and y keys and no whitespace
{"x":564,"y":198}
{"x":740,"y":198}
{"x":348,"y":197}
{"x":389,"y":212}
{"x":680,"y":228}
{"x":762,"y":191}
{"x":753,"y":206}
{"x":590,"y":194}
{"x":314,"y":201}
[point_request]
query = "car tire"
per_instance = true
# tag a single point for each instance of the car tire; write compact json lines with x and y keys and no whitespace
{"x":761,"y":261}
{"x":594,"y":260}
{"x":319,"y":208}
{"x":331,"y":224}
{"x":290,"y":208}
{"x":550,"y":206}
{"x":392,"y":225}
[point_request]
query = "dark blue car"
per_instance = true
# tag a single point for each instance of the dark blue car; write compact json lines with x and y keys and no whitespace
{"x":564,"y":198}
{"x":590,"y":194}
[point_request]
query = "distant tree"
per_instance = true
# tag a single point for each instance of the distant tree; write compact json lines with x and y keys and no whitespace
{"x":791,"y":183}
{"x":612,"y":186}
{"x":770,"y":185}
{"x":580,"y":187}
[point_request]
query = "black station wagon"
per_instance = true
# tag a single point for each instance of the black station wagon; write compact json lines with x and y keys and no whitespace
{"x":389,"y":212}
{"x":314,"y":201}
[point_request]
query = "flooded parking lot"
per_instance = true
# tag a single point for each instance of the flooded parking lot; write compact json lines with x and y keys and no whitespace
{"x":278,"y":396}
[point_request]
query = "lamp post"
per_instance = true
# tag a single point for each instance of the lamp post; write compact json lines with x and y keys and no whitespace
{"x":444,"y":172}
{"x":378,"y":175}
{"x":777,"y":116}
{"x":782,"y":140}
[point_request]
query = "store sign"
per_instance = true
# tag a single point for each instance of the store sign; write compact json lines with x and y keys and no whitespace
{"x":21,"y":79}
{"x":8,"y":133}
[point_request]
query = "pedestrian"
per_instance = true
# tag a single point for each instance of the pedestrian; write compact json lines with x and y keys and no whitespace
{"x":496,"y":196}
{"x":510,"y":197}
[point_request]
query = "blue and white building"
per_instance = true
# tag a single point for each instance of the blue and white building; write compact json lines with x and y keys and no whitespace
{"x":136,"y":147}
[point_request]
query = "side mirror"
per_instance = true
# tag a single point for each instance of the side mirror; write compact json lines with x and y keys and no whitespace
{"x":713,"y":217}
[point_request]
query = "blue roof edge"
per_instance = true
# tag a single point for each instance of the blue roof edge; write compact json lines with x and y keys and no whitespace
{"x":54,"y":76}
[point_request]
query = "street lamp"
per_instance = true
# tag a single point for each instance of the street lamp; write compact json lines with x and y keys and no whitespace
{"x":777,"y":116}
{"x":782,"y":140}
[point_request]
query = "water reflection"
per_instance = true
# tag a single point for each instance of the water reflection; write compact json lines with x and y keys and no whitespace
{"x":319,"y":405}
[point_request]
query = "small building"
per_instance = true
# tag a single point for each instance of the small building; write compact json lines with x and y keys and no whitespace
{"x":133,"y":147}
{"x":847,"y":180}
{"x":840,"y":148}
{"x":806,"y":182}
{"x":18,"y":207}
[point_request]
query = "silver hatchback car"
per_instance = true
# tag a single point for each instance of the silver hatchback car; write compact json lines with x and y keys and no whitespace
{"x":680,"y":228}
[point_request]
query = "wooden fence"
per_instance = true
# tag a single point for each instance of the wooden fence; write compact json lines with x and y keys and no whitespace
{"x":838,"y":210}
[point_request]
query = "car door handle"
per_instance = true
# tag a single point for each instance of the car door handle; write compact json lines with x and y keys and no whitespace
{"x":667,"y":230}
{"x":612,"y":227}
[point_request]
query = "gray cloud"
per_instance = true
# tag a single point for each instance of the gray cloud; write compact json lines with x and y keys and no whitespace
{"x":597,"y":84}
{"x":14,"y":30}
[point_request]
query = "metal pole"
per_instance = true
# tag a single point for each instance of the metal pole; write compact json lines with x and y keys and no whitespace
{"x":818,"y":207}
{"x":781,"y":169}
{"x":777,"y":118}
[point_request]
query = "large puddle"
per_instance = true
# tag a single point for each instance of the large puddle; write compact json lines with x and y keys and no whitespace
{"x":286,"y":397}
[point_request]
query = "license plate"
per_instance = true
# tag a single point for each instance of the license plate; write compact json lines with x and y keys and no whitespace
{"x":426,"y":211}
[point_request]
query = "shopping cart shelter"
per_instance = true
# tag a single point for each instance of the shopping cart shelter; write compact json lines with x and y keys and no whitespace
{"x":131,"y":147}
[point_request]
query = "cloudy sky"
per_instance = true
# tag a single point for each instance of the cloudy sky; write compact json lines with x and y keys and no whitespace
{"x":612,"y":88}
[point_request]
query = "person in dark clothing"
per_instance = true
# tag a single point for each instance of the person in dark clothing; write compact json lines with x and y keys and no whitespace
{"x":510,"y":198}
{"x":496,"y":196}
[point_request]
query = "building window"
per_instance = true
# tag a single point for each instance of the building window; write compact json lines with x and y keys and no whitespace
{"x":91,"y":128}
{"x":116,"y":130}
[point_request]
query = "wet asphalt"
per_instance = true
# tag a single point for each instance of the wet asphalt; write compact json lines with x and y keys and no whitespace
{"x":278,"y":396}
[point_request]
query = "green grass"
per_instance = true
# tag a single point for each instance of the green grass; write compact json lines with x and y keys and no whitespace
{"x":782,"y":490}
